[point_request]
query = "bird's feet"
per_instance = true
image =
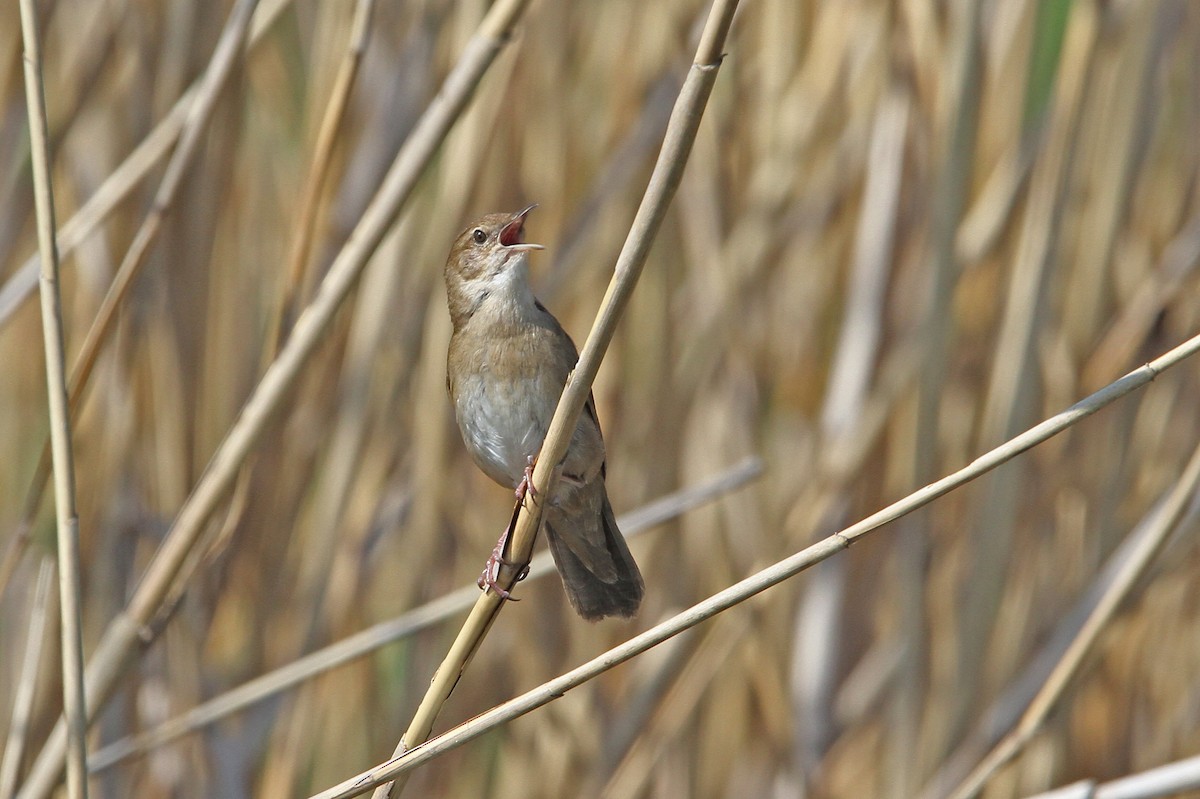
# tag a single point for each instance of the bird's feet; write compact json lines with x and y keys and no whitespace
{"x":489,"y":580}
{"x":526,"y":485}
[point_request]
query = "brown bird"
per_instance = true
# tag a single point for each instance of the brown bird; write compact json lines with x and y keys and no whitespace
{"x":509,"y":359}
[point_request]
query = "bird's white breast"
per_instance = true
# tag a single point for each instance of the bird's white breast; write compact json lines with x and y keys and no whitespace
{"x":501,"y":434}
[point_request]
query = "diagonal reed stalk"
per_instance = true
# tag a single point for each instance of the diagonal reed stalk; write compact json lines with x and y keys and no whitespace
{"x":771,"y":576}
{"x":664,"y":180}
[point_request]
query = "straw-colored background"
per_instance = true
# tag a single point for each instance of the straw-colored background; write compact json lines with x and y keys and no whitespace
{"x":817,"y":296}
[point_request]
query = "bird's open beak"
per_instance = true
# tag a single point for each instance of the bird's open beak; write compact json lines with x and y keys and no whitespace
{"x":514,"y":231}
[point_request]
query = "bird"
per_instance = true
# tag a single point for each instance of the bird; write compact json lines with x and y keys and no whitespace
{"x":506,"y":366}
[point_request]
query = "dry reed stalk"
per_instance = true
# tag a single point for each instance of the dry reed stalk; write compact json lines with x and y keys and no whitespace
{"x":69,"y":566}
{"x":124,"y":632}
{"x":681,"y":132}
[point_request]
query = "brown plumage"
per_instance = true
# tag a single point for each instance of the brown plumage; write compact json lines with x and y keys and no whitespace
{"x":508,"y":362}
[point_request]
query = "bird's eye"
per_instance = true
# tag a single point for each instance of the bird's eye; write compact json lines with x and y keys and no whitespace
{"x":479,"y":236}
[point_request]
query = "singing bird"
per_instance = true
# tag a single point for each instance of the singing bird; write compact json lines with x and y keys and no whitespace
{"x":508,"y":361}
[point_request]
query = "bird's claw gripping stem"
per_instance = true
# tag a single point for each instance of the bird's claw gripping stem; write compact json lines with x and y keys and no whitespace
{"x":489,"y":580}
{"x":526,"y":485}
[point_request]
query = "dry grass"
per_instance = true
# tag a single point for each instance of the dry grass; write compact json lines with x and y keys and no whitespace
{"x":817,"y":295}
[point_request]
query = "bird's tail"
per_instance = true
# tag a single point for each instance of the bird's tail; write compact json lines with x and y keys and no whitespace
{"x":609,"y":586}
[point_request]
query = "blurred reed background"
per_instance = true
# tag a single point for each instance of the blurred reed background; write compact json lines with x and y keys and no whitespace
{"x":895,"y":246}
